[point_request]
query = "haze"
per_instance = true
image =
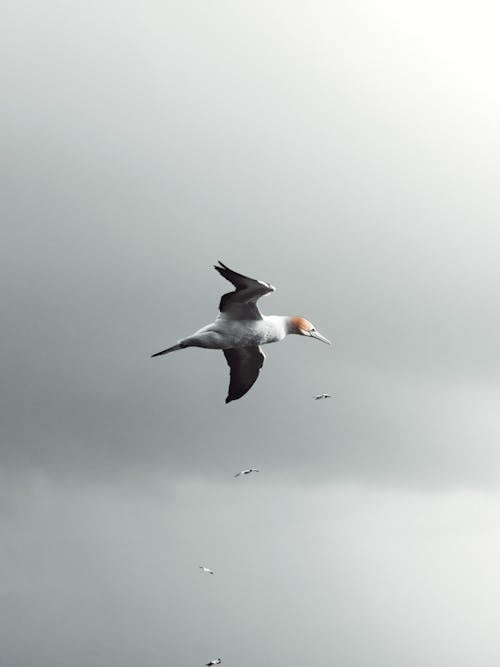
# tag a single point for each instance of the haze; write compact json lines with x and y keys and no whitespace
{"x":348,"y":154}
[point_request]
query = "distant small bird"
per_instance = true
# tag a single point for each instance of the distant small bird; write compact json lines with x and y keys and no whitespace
{"x":247,"y":471}
{"x":206,"y":569}
{"x":320,"y":396}
{"x":240,"y":329}
{"x":217,"y":661}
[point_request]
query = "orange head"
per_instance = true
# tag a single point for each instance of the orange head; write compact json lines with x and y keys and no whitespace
{"x":302,"y":327}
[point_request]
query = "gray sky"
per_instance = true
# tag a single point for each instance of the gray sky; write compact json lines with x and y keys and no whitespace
{"x":347,"y":153}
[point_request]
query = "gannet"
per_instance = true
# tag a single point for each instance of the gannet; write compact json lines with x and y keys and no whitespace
{"x":206,"y":569}
{"x":240,"y":329}
{"x":247,"y":471}
{"x":217,"y":661}
{"x":319,"y":396}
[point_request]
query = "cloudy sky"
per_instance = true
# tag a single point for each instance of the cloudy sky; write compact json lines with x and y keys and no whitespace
{"x":345,"y":152}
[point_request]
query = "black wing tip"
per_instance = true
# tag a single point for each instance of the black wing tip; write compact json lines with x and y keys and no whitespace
{"x":222,"y":266}
{"x":237,"y":396}
{"x":222,"y":270}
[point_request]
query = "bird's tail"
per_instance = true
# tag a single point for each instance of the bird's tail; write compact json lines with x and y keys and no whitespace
{"x":179,"y":346}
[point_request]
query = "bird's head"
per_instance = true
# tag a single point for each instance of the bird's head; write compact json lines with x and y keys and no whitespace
{"x":302,"y":327}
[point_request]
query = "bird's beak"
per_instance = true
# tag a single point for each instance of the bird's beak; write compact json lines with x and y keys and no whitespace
{"x":316,"y":334}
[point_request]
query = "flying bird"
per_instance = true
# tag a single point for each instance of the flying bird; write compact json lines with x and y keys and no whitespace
{"x":206,"y":569}
{"x":320,"y":396}
{"x":240,"y":329}
{"x":217,"y":661}
{"x":247,"y":471}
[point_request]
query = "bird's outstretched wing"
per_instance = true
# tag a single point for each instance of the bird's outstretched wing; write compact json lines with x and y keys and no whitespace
{"x":242,"y":303}
{"x":245,"y":364}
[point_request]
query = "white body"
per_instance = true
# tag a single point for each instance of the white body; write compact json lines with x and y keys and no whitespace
{"x":228,"y":333}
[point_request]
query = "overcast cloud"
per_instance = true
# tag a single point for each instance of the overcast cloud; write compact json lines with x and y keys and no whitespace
{"x":348,"y":154}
